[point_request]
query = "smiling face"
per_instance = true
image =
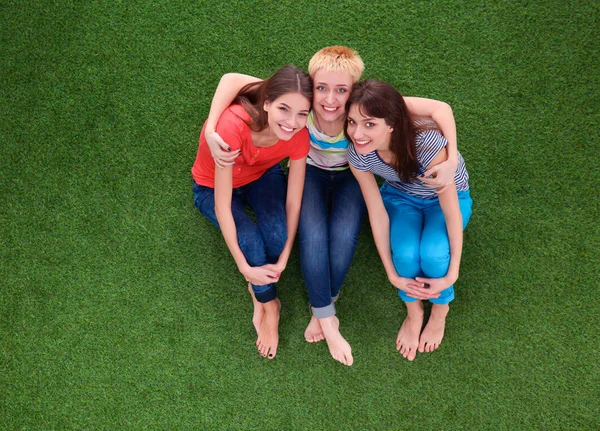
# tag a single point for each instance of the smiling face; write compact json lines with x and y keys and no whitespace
{"x":331,"y":92}
{"x":368,"y":133}
{"x":287,"y":115}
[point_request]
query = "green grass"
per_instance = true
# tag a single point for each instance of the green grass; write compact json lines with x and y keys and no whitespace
{"x":120,"y":306}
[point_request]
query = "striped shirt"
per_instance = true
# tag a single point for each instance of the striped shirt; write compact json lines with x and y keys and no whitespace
{"x":429,"y":143}
{"x":326,"y":152}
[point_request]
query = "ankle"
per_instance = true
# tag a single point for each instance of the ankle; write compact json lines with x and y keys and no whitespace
{"x":415,"y":310}
{"x":439,"y":311}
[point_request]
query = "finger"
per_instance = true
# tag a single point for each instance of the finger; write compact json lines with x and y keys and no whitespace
{"x":431,"y":182}
{"x":223,"y":144}
{"x":431,"y":171}
{"x":225,"y":155}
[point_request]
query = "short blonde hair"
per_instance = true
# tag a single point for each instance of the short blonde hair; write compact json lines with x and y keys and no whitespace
{"x":337,"y":59}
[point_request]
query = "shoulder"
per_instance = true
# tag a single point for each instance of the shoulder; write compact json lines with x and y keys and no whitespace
{"x":302,"y":135}
{"x":355,"y":159}
{"x":233,"y":115}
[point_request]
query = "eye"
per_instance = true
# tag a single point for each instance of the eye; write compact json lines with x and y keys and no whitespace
{"x":351,"y":122}
{"x":303,"y":114}
{"x":341,"y":90}
{"x":320,"y":88}
{"x":283,"y":108}
{"x":369,"y":124}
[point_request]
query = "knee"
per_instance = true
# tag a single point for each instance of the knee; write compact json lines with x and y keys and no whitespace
{"x":406,"y":261}
{"x":435,"y":259}
{"x":253,"y":249}
{"x":275,"y":240}
{"x":345,"y":237}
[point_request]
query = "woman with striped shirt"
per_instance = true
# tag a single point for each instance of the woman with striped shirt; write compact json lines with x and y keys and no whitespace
{"x":418,"y":230}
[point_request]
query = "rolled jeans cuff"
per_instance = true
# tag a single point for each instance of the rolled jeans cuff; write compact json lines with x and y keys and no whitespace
{"x":266,"y":296}
{"x":323,"y":312}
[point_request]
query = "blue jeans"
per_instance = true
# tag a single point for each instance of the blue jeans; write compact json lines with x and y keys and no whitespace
{"x":419,"y":238}
{"x":262,"y":241}
{"x":332,"y":209}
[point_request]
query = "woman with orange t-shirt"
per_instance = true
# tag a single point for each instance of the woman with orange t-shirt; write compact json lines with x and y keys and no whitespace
{"x":267,"y":124}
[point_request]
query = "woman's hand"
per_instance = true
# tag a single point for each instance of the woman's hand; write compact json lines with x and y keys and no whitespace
{"x":436,"y":285}
{"x":442,"y":175}
{"x":260,"y":275}
{"x":413,"y":288}
{"x":278,"y":268}
{"x":220,"y":150}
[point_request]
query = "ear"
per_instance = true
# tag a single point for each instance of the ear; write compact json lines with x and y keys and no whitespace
{"x":266,"y":105}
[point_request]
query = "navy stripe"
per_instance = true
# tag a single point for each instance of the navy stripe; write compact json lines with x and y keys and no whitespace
{"x":429,"y":144}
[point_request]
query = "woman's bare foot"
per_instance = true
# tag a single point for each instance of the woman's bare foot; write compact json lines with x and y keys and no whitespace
{"x":259,"y":310}
{"x":314,"y":332}
{"x":433,"y":333}
{"x":338,"y":346}
{"x":407,"y":341}
{"x":268,"y":334}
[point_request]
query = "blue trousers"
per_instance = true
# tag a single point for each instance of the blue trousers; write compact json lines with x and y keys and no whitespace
{"x":332,"y":209}
{"x":419,"y":238}
{"x":262,"y":241}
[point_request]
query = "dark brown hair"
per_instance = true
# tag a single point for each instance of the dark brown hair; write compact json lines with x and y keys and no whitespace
{"x":379,"y":99}
{"x":288,"y":79}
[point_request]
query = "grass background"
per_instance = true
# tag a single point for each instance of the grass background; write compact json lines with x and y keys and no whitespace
{"x":120,"y":306}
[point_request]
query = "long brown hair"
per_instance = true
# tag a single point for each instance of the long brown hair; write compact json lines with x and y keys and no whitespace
{"x":379,"y":99}
{"x":288,"y":79}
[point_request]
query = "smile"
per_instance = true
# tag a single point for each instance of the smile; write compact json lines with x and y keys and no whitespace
{"x":286,"y":129}
{"x":361,"y":143}
{"x":329,"y":109}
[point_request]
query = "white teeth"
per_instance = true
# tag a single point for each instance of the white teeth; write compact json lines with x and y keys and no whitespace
{"x":328,"y":109}
{"x":286,"y":129}
{"x":362,"y":142}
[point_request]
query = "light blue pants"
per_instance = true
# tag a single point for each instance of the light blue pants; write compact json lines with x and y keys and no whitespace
{"x":419,"y":238}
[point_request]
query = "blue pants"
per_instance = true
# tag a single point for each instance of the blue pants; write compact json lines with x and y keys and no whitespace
{"x":419,"y":238}
{"x":262,"y":241}
{"x":332,"y":209}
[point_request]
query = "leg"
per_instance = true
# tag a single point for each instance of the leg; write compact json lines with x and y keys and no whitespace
{"x":347,"y":210}
{"x":406,"y":221}
{"x":435,"y":260}
{"x":266,"y":196}
{"x":251,"y":243}
{"x":313,"y":230}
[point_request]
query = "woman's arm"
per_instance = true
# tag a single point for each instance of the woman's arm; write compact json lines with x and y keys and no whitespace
{"x":449,"y":202}
{"x":380,"y":225}
{"x":293,"y":203}
{"x":228,"y":88}
{"x":441,"y":113}
{"x":223,"y":192}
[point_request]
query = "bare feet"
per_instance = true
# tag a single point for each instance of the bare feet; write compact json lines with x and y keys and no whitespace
{"x":259,"y":310}
{"x":268,"y":334}
{"x":314,"y":332}
{"x":407,"y":341}
{"x":338,"y":346}
{"x":434,"y":330}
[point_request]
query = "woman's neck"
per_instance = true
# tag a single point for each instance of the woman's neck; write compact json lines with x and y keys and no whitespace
{"x":264,"y":139}
{"x":330,"y":128}
{"x":386,"y":154}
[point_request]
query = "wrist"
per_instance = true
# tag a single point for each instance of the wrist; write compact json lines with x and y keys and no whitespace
{"x":452,"y":276}
{"x":244,"y":268}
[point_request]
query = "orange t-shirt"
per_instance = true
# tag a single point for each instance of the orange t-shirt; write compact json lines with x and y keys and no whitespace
{"x":253,"y":161}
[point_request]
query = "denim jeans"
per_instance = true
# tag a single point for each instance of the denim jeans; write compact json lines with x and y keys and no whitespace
{"x":419,"y":238}
{"x":332,"y":209}
{"x":262,"y":241}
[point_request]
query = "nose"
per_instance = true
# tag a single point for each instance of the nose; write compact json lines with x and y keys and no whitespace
{"x":330,"y":99}
{"x":356,"y":133}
